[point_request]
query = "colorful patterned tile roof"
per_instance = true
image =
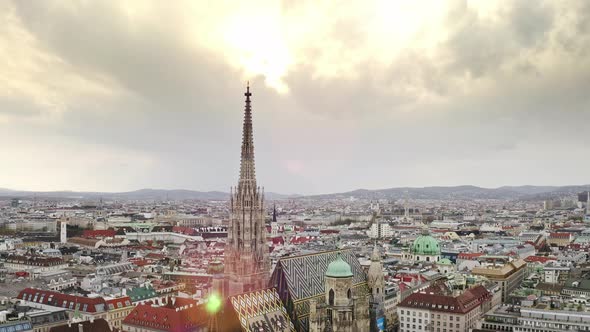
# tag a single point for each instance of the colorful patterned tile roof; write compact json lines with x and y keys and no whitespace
{"x":261,"y":311}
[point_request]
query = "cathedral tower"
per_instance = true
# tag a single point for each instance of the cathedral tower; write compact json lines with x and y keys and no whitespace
{"x":376,"y":285}
{"x":247,"y":265}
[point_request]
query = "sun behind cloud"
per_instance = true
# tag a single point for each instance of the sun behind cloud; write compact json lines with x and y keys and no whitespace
{"x":253,"y":40}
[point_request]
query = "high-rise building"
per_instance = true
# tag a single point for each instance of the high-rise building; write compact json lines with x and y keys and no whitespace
{"x":247,"y":265}
{"x":380,"y":230}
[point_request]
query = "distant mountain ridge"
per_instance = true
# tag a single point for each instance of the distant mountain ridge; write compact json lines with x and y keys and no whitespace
{"x":139,"y":195}
{"x":526,"y":192}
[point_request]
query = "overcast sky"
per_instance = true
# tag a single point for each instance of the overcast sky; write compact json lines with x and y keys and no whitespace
{"x":122,"y":95}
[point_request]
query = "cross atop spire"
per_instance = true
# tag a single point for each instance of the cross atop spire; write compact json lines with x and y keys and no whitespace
{"x":247,"y":94}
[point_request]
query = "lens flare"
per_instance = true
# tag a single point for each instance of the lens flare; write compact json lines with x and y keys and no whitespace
{"x":213,"y":304}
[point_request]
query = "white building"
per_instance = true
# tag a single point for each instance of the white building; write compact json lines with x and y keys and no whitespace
{"x":553,"y":271}
{"x":437,"y":310}
{"x":64,"y":232}
{"x":540,"y":320}
{"x":380,"y":230}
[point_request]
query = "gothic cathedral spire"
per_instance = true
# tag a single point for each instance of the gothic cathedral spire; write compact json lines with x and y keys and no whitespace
{"x":247,"y":171}
{"x":247,"y":265}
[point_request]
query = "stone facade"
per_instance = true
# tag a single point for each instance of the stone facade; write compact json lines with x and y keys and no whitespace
{"x":343,"y":309}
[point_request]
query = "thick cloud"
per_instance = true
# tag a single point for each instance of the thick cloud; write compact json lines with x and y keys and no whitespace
{"x":118,"y":96}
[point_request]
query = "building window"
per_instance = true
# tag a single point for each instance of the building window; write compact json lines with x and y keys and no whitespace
{"x":331,"y":297}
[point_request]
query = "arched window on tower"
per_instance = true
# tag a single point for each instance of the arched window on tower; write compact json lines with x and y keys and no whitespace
{"x":349,"y":293}
{"x":331,"y":297}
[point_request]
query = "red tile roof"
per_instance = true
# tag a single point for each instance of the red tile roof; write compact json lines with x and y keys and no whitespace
{"x":140,"y":261}
{"x":278,"y":240}
{"x":100,"y":233}
{"x":433,"y":300}
{"x":560,"y":235}
{"x":118,"y":303}
{"x":153,"y":255}
{"x":98,"y":325}
{"x":469,"y":255}
{"x":539,"y":259}
{"x":182,"y":316}
{"x":35,"y":260}
{"x":184,"y":230}
{"x":301,"y":239}
{"x":67,"y":301}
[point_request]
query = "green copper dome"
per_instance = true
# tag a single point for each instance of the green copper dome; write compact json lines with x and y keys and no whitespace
{"x":215,"y":267}
{"x":445,"y":261}
{"x":338,"y":268}
{"x":425,"y":245}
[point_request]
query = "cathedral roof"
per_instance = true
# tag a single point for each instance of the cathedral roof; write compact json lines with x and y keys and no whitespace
{"x":301,"y":278}
{"x":260,"y":310}
{"x":338,"y":268}
{"x":304,"y":275}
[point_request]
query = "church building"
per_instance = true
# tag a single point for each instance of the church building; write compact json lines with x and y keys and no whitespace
{"x":424,"y":249}
{"x":324,"y":291}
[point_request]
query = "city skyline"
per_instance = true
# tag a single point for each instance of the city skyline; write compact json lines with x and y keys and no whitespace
{"x":484,"y":94}
{"x":321,"y":165}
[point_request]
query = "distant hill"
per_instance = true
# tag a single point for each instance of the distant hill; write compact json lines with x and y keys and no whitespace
{"x":439,"y":193}
{"x":139,"y":195}
{"x":463,"y":192}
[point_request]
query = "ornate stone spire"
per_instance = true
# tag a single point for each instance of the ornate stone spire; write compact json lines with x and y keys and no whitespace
{"x":246,"y":253}
{"x":247,"y":172}
{"x":375,"y":256}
